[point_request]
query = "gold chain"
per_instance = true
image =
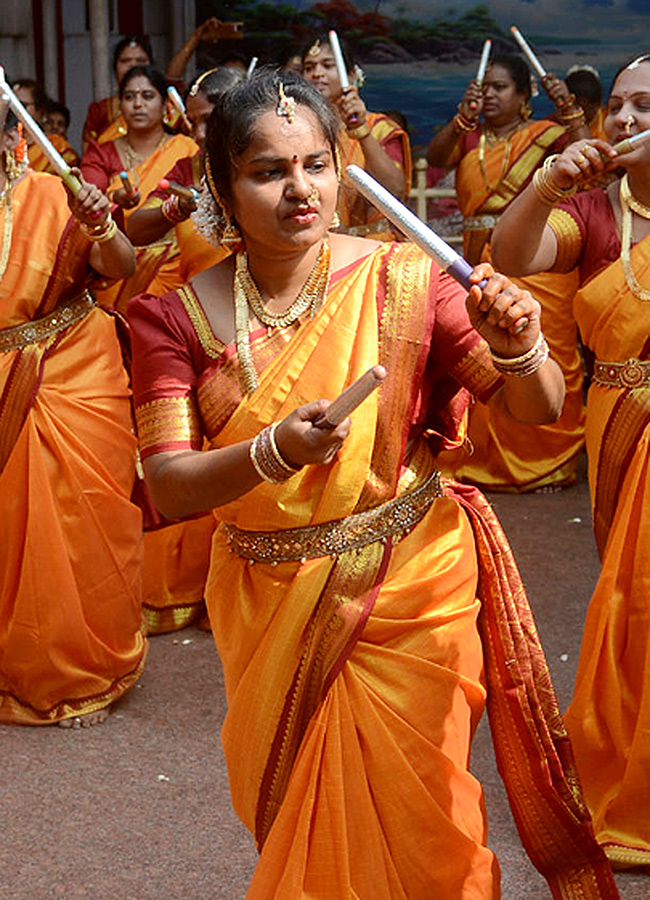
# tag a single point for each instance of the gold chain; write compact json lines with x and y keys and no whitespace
{"x":629,"y":203}
{"x":7,"y":230}
{"x":504,"y":164}
{"x":247,"y":297}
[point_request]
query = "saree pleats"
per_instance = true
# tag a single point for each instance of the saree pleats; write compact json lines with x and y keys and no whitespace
{"x":609,"y":715}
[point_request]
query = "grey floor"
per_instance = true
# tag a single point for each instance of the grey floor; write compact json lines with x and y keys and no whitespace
{"x":138,"y":808}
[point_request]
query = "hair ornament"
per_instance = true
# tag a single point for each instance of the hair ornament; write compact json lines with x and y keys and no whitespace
{"x":197,"y":84}
{"x":637,"y":62}
{"x":534,"y":90}
{"x":582,"y":67}
{"x":359,"y":77}
{"x":314,"y":50}
{"x":286,"y":105}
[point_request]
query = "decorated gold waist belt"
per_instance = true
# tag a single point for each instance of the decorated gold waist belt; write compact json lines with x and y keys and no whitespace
{"x":334,"y":538}
{"x":480,"y":223}
{"x":631,"y":374}
{"x":63,"y":316}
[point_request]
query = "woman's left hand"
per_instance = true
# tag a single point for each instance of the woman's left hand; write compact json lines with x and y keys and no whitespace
{"x":504,"y":314}
{"x":557,"y":91}
{"x":352,"y":107}
{"x":126,"y":199}
{"x":90,"y":205}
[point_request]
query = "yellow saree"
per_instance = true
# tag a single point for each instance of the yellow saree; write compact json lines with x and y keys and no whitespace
{"x":609,"y":716}
{"x":71,"y":543}
{"x":358,"y":666}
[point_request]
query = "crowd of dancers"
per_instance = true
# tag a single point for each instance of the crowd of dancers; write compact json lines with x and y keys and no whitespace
{"x":174,"y":330}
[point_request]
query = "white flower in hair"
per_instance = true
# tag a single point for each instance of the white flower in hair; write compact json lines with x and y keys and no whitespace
{"x":359,"y":77}
{"x":207,"y":217}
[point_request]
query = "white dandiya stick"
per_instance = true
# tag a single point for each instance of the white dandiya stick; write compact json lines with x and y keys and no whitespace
{"x":177,"y":101}
{"x":482,"y":66}
{"x":532,"y":59}
{"x":40,"y":138}
{"x":416,"y":230}
{"x":251,"y":66}
{"x":628,"y":144}
{"x":352,"y":396}
{"x":337,"y":53}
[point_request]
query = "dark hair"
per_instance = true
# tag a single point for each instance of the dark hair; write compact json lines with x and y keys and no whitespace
{"x":643,"y":57}
{"x":141,"y":40}
{"x":585,"y":84}
{"x":53,"y":106}
{"x":153,"y":76}
{"x":323,"y":38}
{"x":38,"y":91}
{"x":212,"y":84}
{"x":231,"y":126}
{"x":518,"y":70}
{"x":11,"y":120}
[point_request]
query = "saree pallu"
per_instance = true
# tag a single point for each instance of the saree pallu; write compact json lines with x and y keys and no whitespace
{"x":70,"y":554}
{"x":609,"y":716}
{"x":484,"y":188}
{"x":102,"y":165}
{"x":351,"y":673}
{"x":39,"y":162}
{"x":501,"y":455}
{"x":357,"y":215}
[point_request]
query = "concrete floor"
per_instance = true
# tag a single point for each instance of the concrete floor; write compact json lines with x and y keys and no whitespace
{"x":138,"y":808}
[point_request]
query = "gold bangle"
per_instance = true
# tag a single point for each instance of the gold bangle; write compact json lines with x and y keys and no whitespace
{"x":267,"y":459}
{"x":524,"y":365}
{"x":100,"y":233}
{"x":463,"y":125}
{"x":358,"y":134}
{"x":546,"y":188}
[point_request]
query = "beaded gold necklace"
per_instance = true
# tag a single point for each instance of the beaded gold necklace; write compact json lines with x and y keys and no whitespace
{"x":629,"y":203}
{"x":5,"y":200}
{"x":248,"y":298}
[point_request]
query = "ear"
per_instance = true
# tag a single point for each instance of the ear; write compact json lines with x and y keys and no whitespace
{"x":11,"y":138}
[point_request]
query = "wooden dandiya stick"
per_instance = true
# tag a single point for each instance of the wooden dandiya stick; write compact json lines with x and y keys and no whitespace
{"x":416,"y":230}
{"x":352,"y":396}
{"x":628,"y":144}
{"x":180,"y":190}
{"x":532,"y":59}
{"x":126,"y":182}
{"x":57,"y":161}
{"x":177,"y":101}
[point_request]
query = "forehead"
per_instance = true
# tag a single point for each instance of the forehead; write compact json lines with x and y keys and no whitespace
{"x":139,"y":83}
{"x":324,"y":55}
{"x":632,"y":81}
{"x":132,"y":51}
{"x":26,"y":94}
{"x":498,"y":73}
{"x":275,"y":136}
{"x":198,"y":105}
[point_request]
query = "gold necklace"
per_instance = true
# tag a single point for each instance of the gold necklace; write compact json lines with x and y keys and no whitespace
{"x":133,"y":158}
{"x":7,"y":230}
{"x":504,"y":164}
{"x":248,"y":298}
{"x":629,"y":203}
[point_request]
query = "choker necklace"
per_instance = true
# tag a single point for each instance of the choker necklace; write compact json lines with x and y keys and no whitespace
{"x":5,"y":201}
{"x":248,"y":298}
{"x":629,"y":203}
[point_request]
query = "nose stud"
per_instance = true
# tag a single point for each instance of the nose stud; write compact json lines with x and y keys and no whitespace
{"x":629,"y":122}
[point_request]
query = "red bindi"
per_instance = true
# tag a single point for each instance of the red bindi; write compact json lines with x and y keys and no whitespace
{"x":294,"y":158}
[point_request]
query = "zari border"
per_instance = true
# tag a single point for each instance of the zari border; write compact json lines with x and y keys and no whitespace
{"x":169,"y":421}
{"x":212,"y":345}
{"x":569,"y":240}
{"x":66,"y":314}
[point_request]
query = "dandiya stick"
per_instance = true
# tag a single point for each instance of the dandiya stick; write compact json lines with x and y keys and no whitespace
{"x":532,"y":59}
{"x":415,"y":229}
{"x":40,"y":138}
{"x":337,"y":53}
{"x":352,"y":396}
{"x":179,"y":189}
{"x":482,"y":66}
{"x":126,"y":182}
{"x":628,"y":144}
{"x":251,"y":66}
{"x":177,"y":101}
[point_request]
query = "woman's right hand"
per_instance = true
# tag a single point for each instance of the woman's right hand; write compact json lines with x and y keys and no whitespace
{"x":581,"y":162}
{"x":301,"y":443}
{"x":472,"y":103}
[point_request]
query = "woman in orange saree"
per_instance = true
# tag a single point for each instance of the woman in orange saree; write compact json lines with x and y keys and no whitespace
{"x":607,"y":234}
{"x":355,"y":574}
{"x":494,"y":161}
{"x":71,"y":547}
{"x":370,"y":140}
{"x":146,"y":154}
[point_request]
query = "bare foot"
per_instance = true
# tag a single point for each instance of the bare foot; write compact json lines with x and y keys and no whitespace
{"x":86,"y":721}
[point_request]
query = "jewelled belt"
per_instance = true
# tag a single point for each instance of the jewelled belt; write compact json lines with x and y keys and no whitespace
{"x":336,"y":537}
{"x":480,"y":223}
{"x":631,"y":374}
{"x":376,"y":227}
{"x":32,"y":332}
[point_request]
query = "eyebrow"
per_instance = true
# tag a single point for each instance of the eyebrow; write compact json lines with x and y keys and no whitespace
{"x":275,"y":159}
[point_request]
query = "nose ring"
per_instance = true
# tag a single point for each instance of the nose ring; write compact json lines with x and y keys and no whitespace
{"x":314,"y":195}
{"x":629,"y":122}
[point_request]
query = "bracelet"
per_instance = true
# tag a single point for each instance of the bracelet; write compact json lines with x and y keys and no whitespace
{"x":171,"y":209}
{"x":358,"y":134}
{"x":571,"y":116}
{"x":546,"y":188}
{"x":100,"y":233}
{"x":526,"y":364}
{"x":267,"y":460}
{"x":462,"y":124}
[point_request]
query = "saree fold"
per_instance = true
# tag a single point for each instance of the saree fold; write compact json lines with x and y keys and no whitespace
{"x":609,"y":715}
{"x":355,"y":681}
{"x":70,"y":620}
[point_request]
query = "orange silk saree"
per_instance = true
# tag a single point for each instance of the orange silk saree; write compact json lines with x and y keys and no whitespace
{"x":609,"y":716}
{"x":71,"y":547}
{"x":355,"y":680}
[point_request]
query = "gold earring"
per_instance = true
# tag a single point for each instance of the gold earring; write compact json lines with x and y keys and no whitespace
{"x":525,"y":110}
{"x":229,"y":234}
{"x":336,"y":221}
